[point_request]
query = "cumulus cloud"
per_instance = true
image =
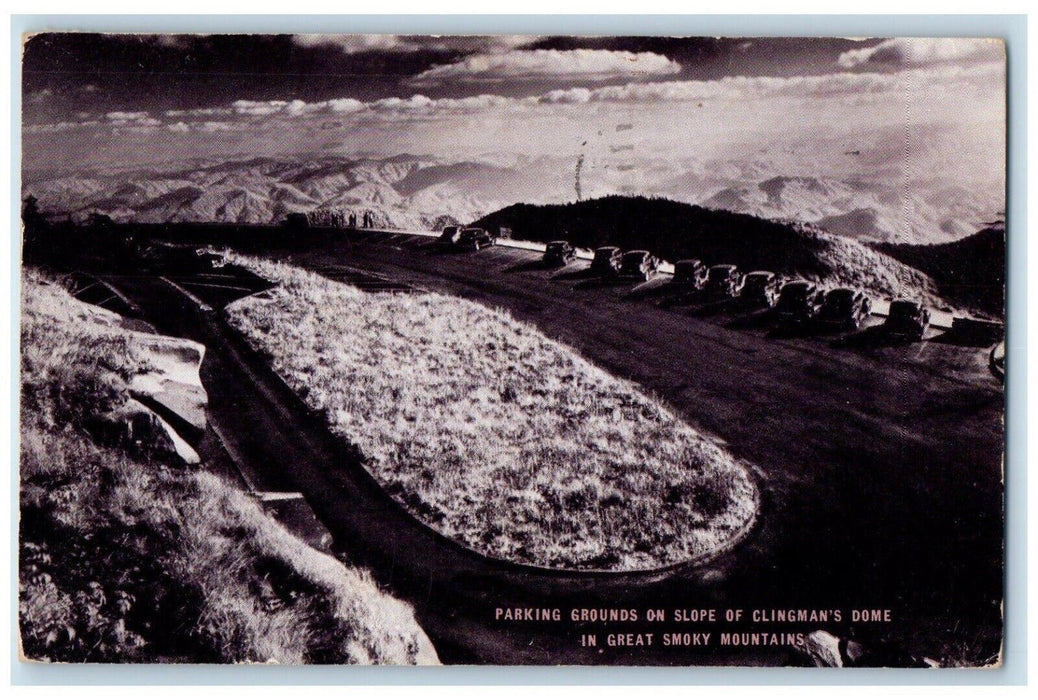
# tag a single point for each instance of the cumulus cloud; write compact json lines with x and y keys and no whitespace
{"x":59,"y":127}
{"x":258,"y":109}
{"x":404,"y":43}
{"x":199,"y":112}
{"x":289,"y":108}
{"x":136,"y":119}
{"x":216,"y":126}
{"x":922,"y":52}
{"x":748,"y":88}
{"x":581,"y":64}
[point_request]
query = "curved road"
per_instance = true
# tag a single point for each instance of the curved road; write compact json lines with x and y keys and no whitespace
{"x":881,"y":466}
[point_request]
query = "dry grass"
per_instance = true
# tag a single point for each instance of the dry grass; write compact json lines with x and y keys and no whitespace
{"x":494,"y":435}
{"x":124,"y":559}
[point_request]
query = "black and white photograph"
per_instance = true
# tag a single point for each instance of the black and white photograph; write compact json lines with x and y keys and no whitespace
{"x":512,"y":350}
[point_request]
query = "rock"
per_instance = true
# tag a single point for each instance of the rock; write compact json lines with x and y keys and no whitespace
{"x":172,"y":386}
{"x":823,"y":649}
{"x":827,"y":650}
{"x":136,"y":428}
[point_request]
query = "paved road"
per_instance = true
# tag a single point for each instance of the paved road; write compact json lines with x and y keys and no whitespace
{"x":881,"y":466}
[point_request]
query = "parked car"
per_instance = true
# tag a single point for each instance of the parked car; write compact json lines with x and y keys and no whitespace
{"x":474,"y":239}
{"x":178,"y":258}
{"x":639,"y":264}
{"x":606,"y":262}
{"x":690,"y":273}
{"x":907,"y":319}
{"x":760,"y":288}
{"x":798,"y":301}
{"x":559,"y":253}
{"x":722,"y":282}
{"x":450,"y":235}
{"x":844,"y":308}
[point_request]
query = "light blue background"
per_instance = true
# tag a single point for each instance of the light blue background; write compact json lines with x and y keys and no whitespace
{"x":1011,"y":28}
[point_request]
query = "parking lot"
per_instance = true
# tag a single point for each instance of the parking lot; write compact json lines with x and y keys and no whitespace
{"x":881,"y":463}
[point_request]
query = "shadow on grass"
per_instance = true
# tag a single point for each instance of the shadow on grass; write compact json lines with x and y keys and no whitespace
{"x":682,"y":299}
{"x":602,"y":283}
{"x":754,"y":320}
{"x":529,"y":266}
{"x":654,"y":288}
{"x":792,"y":329}
{"x":579,"y":274}
{"x":714,"y":307}
{"x":872,"y":337}
{"x":969,"y":338}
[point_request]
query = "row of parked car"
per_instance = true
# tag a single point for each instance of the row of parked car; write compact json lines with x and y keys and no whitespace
{"x":795,"y":302}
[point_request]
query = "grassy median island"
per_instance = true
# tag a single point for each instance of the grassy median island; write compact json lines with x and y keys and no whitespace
{"x":127,"y":557}
{"x":495,"y":435}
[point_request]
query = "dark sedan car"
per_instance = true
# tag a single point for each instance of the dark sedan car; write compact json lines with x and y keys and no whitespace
{"x":844,"y":308}
{"x":760,"y":288}
{"x":559,"y":253}
{"x":178,"y":258}
{"x":690,"y":273}
{"x":638,"y":264}
{"x":722,"y":282}
{"x":798,"y":302}
{"x":450,"y":235}
{"x":606,"y":262}
{"x":475,"y":238}
{"x":907,"y":319}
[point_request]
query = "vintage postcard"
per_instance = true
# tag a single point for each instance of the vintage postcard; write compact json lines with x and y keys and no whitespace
{"x":512,"y":350}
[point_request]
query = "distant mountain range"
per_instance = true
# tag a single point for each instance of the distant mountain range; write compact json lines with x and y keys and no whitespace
{"x":421,"y":192}
{"x":860,"y":209}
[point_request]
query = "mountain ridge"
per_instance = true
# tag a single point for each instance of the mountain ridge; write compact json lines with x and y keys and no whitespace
{"x":409,"y":191}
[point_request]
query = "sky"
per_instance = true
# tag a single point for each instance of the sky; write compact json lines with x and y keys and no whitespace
{"x":94,"y":100}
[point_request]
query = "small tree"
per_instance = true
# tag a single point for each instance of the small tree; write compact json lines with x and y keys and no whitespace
{"x":33,"y":223}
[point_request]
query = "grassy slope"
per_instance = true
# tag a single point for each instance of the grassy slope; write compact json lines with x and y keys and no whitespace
{"x":126,"y":559}
{"x":494,"y":435}
{"x":674,"y":230}
{"x":970,"y":271}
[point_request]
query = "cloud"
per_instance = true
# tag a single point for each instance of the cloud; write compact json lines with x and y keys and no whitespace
{"x":258,"y":109}
{"x":581,"y":64}
{"x":816,"y":96}
{"x":60,"y":127}
{"x":199,"y":112}
{"x":39,"y":96}
{"x":126,"y":116}
{"x":134,"y":119}
{"x":404,"y":43}
{"x":923,"y":52}
{"x":290,"y":108}
{"x":751,"y":88}
{"x":216,"y":126}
